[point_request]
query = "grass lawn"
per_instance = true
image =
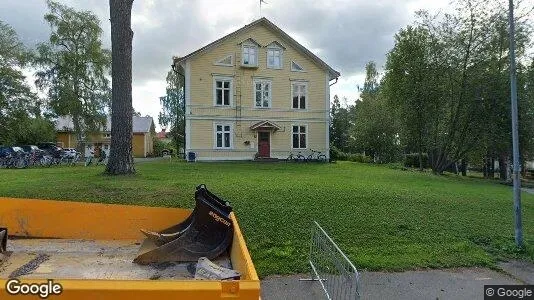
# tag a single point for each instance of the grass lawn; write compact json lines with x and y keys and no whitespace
{"x":381,"y":217}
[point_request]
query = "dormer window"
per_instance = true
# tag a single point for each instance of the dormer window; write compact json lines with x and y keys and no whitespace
{"x":274,"y":58}
{"x":250,"y":55}
{"x":275,"y":55}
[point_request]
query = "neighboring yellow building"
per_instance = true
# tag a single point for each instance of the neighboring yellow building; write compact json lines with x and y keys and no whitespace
{"x":255,"y":92}
{"x":142,"y":140}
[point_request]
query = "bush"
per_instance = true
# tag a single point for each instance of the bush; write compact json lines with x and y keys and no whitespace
{"x":361,"y":158}
{"x":337,"y":154}
{"x":411,"y":160}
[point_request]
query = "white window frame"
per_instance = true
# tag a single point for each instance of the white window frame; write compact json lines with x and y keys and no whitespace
{"x":249,"y":46}
{"x":295,"y":70}
{"x":281,"y":55}
{"x":262,"y":82}
{"x":215,"y":133}
{"x":219,"y":63}
{"x":231,"y":92}
{"x":299,"y":133}
{"x":306,"y":102}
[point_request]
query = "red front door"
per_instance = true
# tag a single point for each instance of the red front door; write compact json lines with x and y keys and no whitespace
{"x":264,"y":145}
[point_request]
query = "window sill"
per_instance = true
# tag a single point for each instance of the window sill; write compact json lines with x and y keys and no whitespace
{"x":274,"y":68}
{"x":260,"y":108}
{"x":249,"y":66}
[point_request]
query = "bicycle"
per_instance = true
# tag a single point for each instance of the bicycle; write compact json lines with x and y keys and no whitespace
{"x":319,"y":156}
{"x":296,"y":158}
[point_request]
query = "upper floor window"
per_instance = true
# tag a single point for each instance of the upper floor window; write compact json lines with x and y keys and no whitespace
{"x":223,"y":136}
{"x":274,"y":58}
{"x":250,"y":55}
{"x":262,"y":93}
{"x":222,"y":91}
{"x":298,"y":92}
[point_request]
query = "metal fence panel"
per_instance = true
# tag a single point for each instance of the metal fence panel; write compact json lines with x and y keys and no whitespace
{"x":331,"y":267}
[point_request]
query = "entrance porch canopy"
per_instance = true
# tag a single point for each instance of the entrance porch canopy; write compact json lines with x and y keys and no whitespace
{"x":265,"y":125}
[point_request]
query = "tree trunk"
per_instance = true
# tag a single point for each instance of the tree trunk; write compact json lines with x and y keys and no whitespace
{"x":464,"y":167}
{"x":502,"y":167}
{"x":421,"y":160}
{"x":491,"y":168}
{"x":485,"y":167}
{"x":120,"y":157}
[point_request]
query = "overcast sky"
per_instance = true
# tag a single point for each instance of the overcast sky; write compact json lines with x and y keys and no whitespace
{"x":344,"y":33}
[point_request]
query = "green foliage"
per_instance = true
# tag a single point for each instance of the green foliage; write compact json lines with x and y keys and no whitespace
{"x":447,"y":80}
{"x":160,"y":145}
{"x":340,"y":125}
{"x":375,"y":127}
{"x":337,"y":154}
{"x":74,"y":67}
{"x":411,"y":160}
{"x":384,"y":219}
{"x":173,"y":108}
{"x":20,"y":108}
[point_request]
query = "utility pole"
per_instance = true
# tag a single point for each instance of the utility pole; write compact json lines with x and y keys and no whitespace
{"x":515,"y":134}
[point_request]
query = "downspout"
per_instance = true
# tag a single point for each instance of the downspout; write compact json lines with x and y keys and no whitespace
{"x":334,"y":81}
{"x":328,"y":118}
{"x":173,"y":66}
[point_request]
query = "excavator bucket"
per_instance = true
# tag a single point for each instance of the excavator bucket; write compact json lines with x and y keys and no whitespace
{"x":3,"y":239}
{"x":207,"y":232}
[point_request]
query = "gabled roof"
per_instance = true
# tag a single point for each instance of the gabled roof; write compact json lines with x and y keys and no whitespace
{"x":265,"y":125}
{"x":139,"y":124}
{"x":264,"y":21}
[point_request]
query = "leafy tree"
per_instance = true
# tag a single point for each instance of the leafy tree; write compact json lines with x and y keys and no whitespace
{"x":375,"y":128}
{"x":73,"y":68}
{"x":409,"y":86}
{"x":121,"y":156}
{"x":19,"y":106}
{"x":173,"y":109}
{"x":340,"y":126}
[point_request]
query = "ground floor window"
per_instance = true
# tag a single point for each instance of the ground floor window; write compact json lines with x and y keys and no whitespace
{"x":223,"y":136}
{"x":299,"y":137}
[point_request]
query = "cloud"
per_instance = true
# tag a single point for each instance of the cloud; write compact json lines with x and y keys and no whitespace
{"x":344,"y":33}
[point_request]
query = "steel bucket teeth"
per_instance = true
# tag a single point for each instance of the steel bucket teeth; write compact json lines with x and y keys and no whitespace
{"x":207,"y":232}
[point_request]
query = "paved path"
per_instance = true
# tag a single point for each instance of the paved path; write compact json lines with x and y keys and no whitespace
{"x":528,"y":190}
{"x":463,"y":283}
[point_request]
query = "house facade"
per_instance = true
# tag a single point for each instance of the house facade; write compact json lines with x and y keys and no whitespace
{"x":142,"y":139}
{"x":255,"y":93}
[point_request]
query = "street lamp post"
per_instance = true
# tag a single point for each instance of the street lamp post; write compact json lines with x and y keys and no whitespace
{"x":515,"y":134}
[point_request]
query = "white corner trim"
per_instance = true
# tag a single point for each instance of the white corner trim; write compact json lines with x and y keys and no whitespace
{"x":327,"y":114}
{"x":187,"y":105}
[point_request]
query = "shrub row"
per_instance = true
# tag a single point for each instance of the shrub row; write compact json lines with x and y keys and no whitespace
{"x":337,"y":154}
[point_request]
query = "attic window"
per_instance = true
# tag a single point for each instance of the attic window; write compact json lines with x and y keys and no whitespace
{"x":250,"y":55}
{"x":296,"y":67}
{"x":275,"y":55}
{"x":227,"y":61}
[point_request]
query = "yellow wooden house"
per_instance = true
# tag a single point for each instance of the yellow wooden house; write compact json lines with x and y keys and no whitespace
{"x":255,"y":93}
{"x":142,"y":140}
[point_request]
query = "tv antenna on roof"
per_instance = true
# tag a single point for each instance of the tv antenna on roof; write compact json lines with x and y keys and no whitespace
{"x":262,"y":1}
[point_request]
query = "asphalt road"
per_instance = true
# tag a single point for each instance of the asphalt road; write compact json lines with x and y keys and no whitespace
{"x":463,"y":283}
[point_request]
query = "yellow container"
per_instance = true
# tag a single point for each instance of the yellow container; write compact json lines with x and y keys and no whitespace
{"x":94,"y":221}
